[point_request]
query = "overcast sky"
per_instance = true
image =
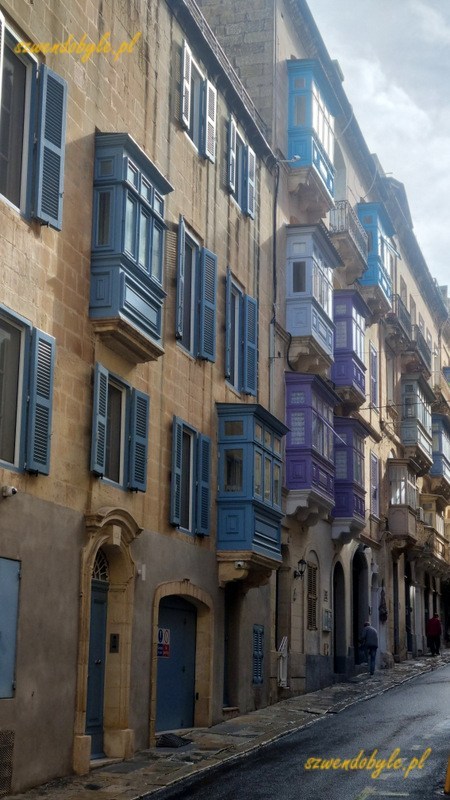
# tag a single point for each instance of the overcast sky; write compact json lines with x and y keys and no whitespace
{"x":395,"y":56}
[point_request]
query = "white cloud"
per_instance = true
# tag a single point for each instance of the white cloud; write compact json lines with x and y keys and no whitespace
{"x":433,"y":25}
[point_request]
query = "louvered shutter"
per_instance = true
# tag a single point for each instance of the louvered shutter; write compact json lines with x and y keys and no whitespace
{"x":203,"y":479}
{"x":207,"y":321}
{"x":139,"y":420}
{"x":228,"y":324}
{"x":180,"y":277}
{"x":374,"y":486}
{"x":51,"y":134}
{"x":39,"y":427}
{"x":250,"y":345}
{"x":99,"y":421}
{"x":175,"y":484}
{"x":186,"y":72}
{"x":312,"y":597}
{"x":258,"y":653}
{"x":2,"y":46}
{"x":232,"y":155}
{"x":250,"y":172}
{"x":210,"y":121}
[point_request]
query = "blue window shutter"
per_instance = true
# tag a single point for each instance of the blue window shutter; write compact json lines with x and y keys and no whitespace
{"x":39,"y":427}
{"x":258,"y":653}
{"x":139,"y":421}
{"x":250,"y":174}
{"x":186,"y":71}
{"x":2,"y":42}
{"x":250,"y":379}
{"x":232,"y":155}
{"x":180,"y":277}
{"x":9,"y":604}
{"x":51,"y":136}
{"x":99,"y":420}
{"x":228,"y":324}
{"x":208,"y":283}
{"x":203,"y":478}
{"x":175,"y":484}
{"x":209,"y":145}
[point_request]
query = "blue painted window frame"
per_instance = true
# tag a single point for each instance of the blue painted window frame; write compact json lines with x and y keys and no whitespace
{"x":133,"y":434}
{"x":35,"y":396}
{"x":44,"y":134}
{"x":241,"y":338}
{"x":258,"y":654}
{"x":198,"y":105}
{"x":196,"y":297}
{"x":9,"y":604}
{"x":195,"y":475}
{"x":241,"y":170}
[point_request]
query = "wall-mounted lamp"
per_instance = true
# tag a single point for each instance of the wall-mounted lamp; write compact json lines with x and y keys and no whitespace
{"x":291,"y":160}
{"x":301,"y":567}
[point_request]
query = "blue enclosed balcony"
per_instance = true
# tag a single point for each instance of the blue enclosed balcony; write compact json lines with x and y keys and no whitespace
{"x":348,"y":370}
{"x":249,"y":493}
{"x":311,"y":136}
{"x":311,"y":259}
{"x":440,"y":469}
{"x":416,"y":430}
{"x":127,"y":294}
{"x":349,"y":491}
{"x":310,"y":403}
{"x":376,"y":283}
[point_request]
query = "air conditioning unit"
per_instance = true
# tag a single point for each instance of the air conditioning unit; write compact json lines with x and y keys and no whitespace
{"x":420,"y":514}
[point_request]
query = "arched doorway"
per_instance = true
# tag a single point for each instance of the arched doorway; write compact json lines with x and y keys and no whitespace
{"x":360,"y":599}
{"x":175,"y":702}
{"x":339,"y":630}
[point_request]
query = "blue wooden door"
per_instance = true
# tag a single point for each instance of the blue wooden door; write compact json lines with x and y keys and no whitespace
{"x":9,"y":606}
{"x":96,"y":666}
{"x":176,"y":664}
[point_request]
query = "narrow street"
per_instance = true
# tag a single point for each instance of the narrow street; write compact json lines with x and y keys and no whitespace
{"x":394,"y":745}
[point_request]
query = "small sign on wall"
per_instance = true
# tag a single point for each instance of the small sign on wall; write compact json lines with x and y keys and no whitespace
{"x":164,"y":642}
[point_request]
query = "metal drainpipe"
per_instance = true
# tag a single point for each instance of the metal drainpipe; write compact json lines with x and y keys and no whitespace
{"x":274,"y":292}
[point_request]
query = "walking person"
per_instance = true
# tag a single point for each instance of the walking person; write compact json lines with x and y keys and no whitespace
{"x":434,"y":631}
{"x":369,"y":640}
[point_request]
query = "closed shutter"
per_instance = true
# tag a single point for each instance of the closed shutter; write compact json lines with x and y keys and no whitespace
{"x":210,"y":121}
{"x":51,"y":135}
{"x":203,"y":479}
{"x":312,"y":597}
{"x":232,"y":155}
{"x":2,"y":45}
{"x":186,"y":71}
{"x":250,"y":345}
{"x":175,"y":484}
{"x":39,"y":429}
{"x":258,"y":653}
{"x":9,"y":604}
{"x":180,"y":277}
{"x":251,"y":182}
{"x":99,"y":421}
{"x":139,"y":421}
{"x":207,"y":317}
{"x":228,"y":337}
{"x":374,"y":486}
{"x":373,"y":377}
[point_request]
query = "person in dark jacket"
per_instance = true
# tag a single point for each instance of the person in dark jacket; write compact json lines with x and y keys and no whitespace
{"x":369,"y":641}
{"x":434,"y":631}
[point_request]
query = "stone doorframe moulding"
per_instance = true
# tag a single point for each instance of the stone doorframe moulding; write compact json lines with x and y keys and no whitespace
{"x":203,"y":650}
{"x":113,"y":530}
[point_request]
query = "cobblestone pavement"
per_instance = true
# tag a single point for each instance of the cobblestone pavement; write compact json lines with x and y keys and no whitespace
{"x":152,"y":770}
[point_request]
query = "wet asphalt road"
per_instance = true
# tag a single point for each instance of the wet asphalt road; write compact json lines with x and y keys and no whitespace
{"x":408,"y":728}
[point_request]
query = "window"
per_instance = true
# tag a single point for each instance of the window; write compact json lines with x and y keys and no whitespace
{"x":416,"y":405}
{"x":258,"y":654}
{"x":322,"y":283}
{"x":373,"y":377}
{"x":198,"y":106}
{"x":323,"y":122}
{"x":358,"y":459}
{"x":403,"y":292}
{"x":374,"y":485}
{"x":402,"y":481}
{"x":241,"y":170}
{"x":119,"y":431}
{"x":390,"y":378}
{"x":9,"y":604}
{"x":27,"y":358}
{"x":322,"y":427}
{"x":241,"y":339}
{"x":191,"y":467}
{"x":413,"y":311}
{"x":312,"y":597}
{"x":31,"y":145}
{"x":196,"y":297}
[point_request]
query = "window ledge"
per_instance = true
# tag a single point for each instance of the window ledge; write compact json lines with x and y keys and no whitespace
{"x":124,"y":339}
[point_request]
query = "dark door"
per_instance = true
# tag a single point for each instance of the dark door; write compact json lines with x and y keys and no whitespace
{"x":176,"y":664}
{"x":96,"y":667}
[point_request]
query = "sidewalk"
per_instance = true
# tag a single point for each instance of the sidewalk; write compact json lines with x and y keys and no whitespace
{"x":154,"y":769}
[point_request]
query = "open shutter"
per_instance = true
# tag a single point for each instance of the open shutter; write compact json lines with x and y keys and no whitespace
{"x":99,"y":420}
{"x":203,"y":478}
{"x":186,"y":71}
{"x":210,"y":121}
{"x":2,"y":46}
{"x":140,"y":411}
{"x":251,"y":181}
{"x":208,"y":281}
{"x":51,"y":135}
{"x":175,"y":484}
{"x":39,"y":428}
{"x":258,"y":653}
{"x":180,"y":278}
{"x":232,"y":155}
{"x":374,"y":486}
{"x":228,"y":324}
{"x":250,"y":345}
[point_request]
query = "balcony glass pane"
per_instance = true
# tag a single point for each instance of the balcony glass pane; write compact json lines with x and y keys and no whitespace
{"x":130,"y":225}
{"x":299,"y":276}
{"x":267,"y":480}
{"x":233,"y":471}
{"x":277,"y":484}
{"x":258,"y":474}
{"x":156,"y":263}
{"x":104,"y":214}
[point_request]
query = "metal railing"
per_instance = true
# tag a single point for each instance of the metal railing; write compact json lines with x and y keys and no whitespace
{"x":421,"y":345}
{"x":344,"y":220}
{"x":402,"y":314}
